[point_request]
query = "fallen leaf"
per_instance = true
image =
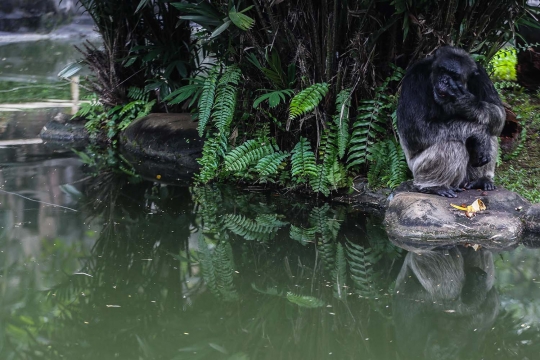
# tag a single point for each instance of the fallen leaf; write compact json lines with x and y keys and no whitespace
{"x":471,"y":210}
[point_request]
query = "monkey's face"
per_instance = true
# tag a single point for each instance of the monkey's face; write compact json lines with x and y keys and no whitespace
{"x":449,"y":77}
{"x":446,"y":88}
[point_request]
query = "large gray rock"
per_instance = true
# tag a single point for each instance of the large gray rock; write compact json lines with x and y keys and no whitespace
{"x":163,"y":146}
{"x":428,"y":221}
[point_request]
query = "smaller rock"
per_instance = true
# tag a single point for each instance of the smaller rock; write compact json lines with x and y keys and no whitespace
{"x":421,"y":220}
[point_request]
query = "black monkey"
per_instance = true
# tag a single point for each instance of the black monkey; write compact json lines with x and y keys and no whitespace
{"x":449,"y":116}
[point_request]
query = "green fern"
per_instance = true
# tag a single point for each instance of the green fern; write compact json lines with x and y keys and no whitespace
{"x":246,"y":154}
{"x":136,"y":93}
{"x":269,"y":165}
{"x":270,"y":221}
{"x":303,"y":235}
{"x":339,"y":275}
{"x":303,"y":162}
{"x":307,"y":99}
{"x":361,"y":262}
{"x":249,"y":229}
{"x":388,"y":166}
{"x":207,"y":266}
{"x":224,"y":268}
{"x":309,"y":302}
{"x":213,"y":151}
{"x":372,"y":122}
{"x":206,"y":101}
{"x":225,"y":102}
{"x":341,"y":119}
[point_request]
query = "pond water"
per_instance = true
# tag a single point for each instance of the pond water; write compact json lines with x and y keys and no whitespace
{"x":109,"y":267}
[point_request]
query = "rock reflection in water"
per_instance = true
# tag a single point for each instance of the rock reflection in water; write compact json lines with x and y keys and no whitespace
{"x":445,"y":302}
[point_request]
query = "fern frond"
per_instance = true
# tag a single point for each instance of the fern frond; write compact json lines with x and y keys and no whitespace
{"x":339,"y":275}
{"x":136,"y":93}
{"x":248,"y":153}
{"x":224,"y":267}
{"x":303,"y":235}
{"x":206,"y":101}
{"x":213,"y":151}
{"x":207,"y":266}
{"x":270,"y":221}
{"x":225,"y":102}
{"x":341,"y":119}
{"x":361,"y":262}
{"x":305,"y":301}
{"x":307,"y":99}
{"x":269,"y":165}
{"x":303,"y":161}
{"x":249,"y":229}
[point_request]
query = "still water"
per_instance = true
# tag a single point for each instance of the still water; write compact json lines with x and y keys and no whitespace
{"x":107,"y":268}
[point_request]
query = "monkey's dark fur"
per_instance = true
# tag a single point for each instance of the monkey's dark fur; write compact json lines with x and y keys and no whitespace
{"x":449,"y":116}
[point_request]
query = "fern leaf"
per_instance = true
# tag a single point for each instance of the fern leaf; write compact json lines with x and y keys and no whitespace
{"x":339,"y":274}
{"x":307,"y":99}
{"x":305,"y":301}
{"x":302,"y":235}
{"x":269,"y":165}
{"x":248,"y":153}
{"x":249,"y":229}
{"x":225,"y":102}
{"x":207,"y":266}
{"x":224,"y":270}
{"x":206,"y":101}
{"x":341,"y":119}
{"x":361,"y":262}
{"x":303,"y":161}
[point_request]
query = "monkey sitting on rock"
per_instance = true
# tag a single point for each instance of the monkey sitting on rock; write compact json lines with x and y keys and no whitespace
{"x":449,"y":117}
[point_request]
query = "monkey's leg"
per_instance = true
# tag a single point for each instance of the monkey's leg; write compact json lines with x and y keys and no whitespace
{"x":441,"y":168}
{"x":482,"y":177}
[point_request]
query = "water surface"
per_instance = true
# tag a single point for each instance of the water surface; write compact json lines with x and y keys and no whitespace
{"x":141,"y":270}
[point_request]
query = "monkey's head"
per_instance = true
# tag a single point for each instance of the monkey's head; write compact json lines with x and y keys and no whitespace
{"x":450,"y":72}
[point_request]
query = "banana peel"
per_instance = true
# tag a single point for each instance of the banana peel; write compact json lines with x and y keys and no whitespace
{"x":471,"y":210}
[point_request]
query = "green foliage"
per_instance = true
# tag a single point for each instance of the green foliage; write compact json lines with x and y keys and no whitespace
{"x":225,"y":101}
{"x":303,"y":235}
{"x":213,"y":152}
{"x":268,"y":166}
{"x":304,"y":301}
{"x":274,"y":98}
{"x":307,"y":99}
{"x":341,"y":119}
{"x":246,"y":154}
{"x":372,"y":122}
{"x":525,"y":181}
{"x":388,"y":166}
{"x":503,"y":65}
{"x":259,"y":229}
{"x":361,"y":260}
{"x":339,"y":274}
{"x":206,"y":101}
{"x":218,"y":269}
{"x":303,"y":163}
{"x":521,"y":144}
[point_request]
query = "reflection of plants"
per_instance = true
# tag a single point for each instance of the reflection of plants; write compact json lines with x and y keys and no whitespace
{"x":218,"y":269}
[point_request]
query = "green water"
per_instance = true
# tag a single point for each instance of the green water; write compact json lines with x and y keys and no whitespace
{"x":28,"y":70}
{"x":106,"y":268}
{"x":149,"y":271}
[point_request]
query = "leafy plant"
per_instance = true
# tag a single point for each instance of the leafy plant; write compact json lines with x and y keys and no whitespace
{"x":388,"y":165}
{"x":306,"y":100}
{"x":303,"y":162}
